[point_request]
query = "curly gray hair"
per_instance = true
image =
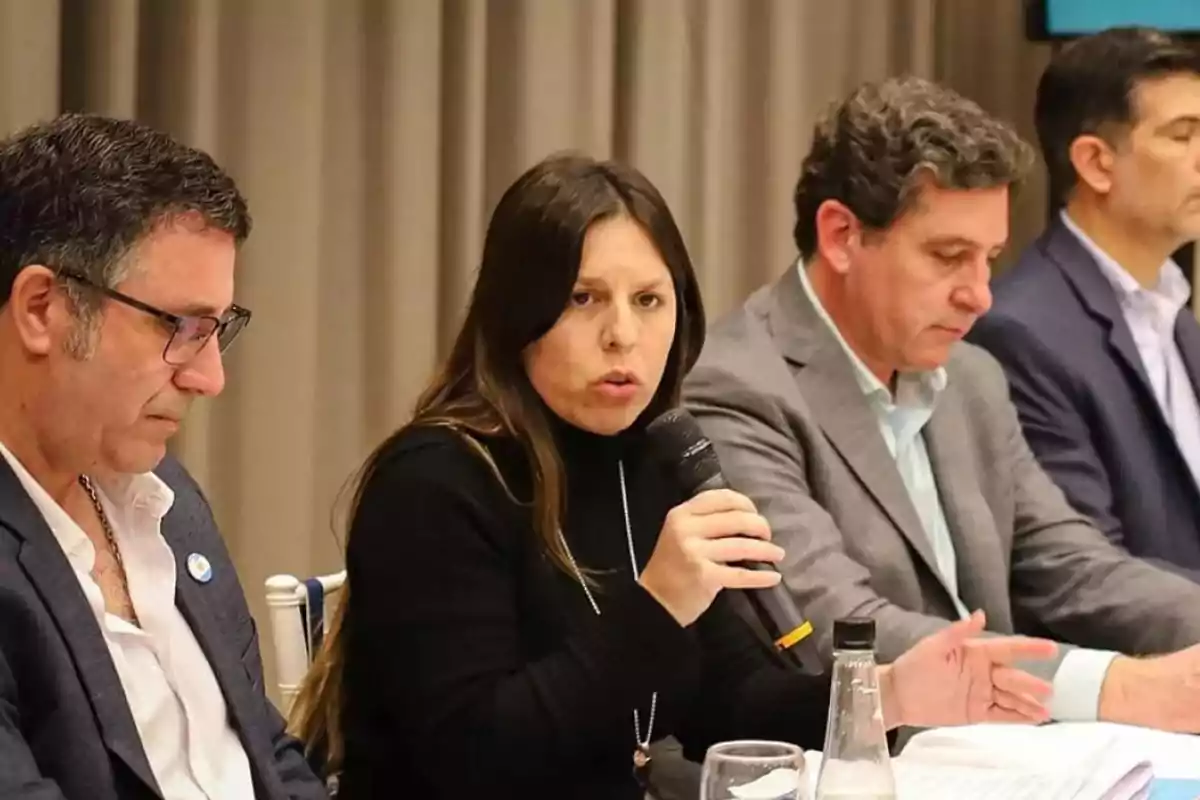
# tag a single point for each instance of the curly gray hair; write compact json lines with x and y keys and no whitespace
{"x":872,"y":151}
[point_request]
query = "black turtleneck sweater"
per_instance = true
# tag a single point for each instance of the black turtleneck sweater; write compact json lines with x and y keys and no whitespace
{"x":476,"y":668}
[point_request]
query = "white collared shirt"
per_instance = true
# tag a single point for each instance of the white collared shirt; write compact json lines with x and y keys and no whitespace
{"x":1150,"y":314}
{"x":1080,"y":676}
{"x":171,"y":689}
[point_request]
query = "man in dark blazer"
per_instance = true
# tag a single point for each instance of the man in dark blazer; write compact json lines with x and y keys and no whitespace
{"x":1092,"y":325}
{"x":129,"y":662}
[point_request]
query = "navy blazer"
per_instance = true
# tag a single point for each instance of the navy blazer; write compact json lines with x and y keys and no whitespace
{"x":66,"y":731}
{"x":1085,"y":401}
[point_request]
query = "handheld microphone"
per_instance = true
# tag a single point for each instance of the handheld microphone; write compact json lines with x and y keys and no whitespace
{"x":679,"y":444}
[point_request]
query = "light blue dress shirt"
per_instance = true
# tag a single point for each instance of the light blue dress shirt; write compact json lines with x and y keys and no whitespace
{"x":1150,"y":314}
{"x":902,"y":418}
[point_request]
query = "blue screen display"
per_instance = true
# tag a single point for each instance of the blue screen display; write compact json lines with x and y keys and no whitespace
{"x":1073,"y":17}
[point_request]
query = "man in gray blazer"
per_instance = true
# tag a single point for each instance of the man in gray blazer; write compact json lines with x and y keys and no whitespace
{"x":885,"y":451}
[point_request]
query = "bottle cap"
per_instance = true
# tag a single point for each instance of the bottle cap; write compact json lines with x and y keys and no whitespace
{"x":854,"y":633}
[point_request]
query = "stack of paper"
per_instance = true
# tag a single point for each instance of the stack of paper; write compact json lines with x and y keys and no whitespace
{"x":1084,"y":767}
{"x":1062,"y":761}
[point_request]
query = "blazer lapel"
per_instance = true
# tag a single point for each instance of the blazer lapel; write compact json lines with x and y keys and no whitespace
{"x":969,"y":519}
{"x":240,"y":698}
{"x":1187,"y":337}
{"x":826,"y":380}
{"x":1100,"y":301}
{"x":43,"y":560}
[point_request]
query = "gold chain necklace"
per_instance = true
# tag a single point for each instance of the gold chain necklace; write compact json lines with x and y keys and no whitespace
{"x":111,"y":537}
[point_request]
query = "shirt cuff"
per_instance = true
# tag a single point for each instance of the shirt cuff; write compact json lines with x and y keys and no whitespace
{"x":1077,"y":685}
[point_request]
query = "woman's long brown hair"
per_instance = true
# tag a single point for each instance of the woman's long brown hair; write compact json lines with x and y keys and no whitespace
{"x":530,"y":264}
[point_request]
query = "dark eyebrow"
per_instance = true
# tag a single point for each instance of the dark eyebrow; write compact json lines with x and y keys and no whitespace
{"x":197,"y":310}
{"x":966,"y":244}
{"x":951,"y":241}
{"x":656,"y":283}
{"x":1192,"y":120}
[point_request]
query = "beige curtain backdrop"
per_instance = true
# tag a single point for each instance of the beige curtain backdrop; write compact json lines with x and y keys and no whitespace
{"x":372,"y":137}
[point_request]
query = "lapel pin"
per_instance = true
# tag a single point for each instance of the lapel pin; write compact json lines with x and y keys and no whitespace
{"x":199,"y":568}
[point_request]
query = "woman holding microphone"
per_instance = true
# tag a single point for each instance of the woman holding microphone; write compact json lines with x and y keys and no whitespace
{"x":532,"y":599}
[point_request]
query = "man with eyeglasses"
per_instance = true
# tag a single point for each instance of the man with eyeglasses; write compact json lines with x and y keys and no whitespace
{"x":129,"y":663}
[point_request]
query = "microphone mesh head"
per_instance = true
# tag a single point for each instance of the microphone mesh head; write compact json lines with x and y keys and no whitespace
{"x":678,"y":443}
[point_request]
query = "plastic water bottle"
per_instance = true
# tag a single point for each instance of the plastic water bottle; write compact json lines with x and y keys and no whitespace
{"x":855,"y":764}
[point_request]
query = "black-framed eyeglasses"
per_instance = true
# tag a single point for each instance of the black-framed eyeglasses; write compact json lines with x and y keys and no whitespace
{"x":189,"y":334}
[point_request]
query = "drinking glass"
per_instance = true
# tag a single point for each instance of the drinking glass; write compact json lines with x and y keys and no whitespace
{"x":754,"y":770}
